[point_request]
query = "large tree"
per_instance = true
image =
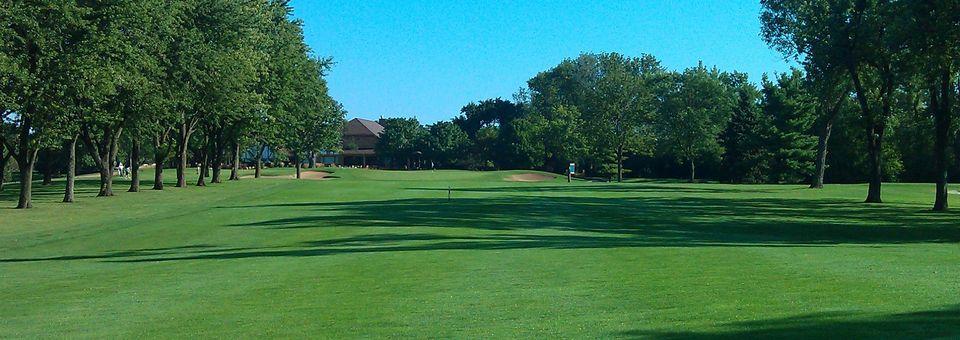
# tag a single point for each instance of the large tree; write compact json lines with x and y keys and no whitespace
{"x":447,"y":144}
{"x":34,"y":48}
{"x":215,"y":63}
{"x":494,"y":118}
{"x":622,"y":105}
{"x":932,"y":32}
{"x":792,"y":111}
{"x":315,"y":122}
{"x":401,"y":140}
{"x":745,"y":158}
{"x":555,"y":125}
{"x":855,"y":36}
{"x":831,"y":88}
{"x":695,"y":112}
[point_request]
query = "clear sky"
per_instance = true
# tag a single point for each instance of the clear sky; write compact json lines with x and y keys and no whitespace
{"x":427,"y":59}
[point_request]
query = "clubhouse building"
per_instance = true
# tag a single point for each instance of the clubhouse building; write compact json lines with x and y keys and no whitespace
{"x":360,"y":136}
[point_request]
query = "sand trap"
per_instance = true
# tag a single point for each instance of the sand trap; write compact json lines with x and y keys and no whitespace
{"x":314,"y":175}
{"x":530,"y":178}
{"x":310,"y":175}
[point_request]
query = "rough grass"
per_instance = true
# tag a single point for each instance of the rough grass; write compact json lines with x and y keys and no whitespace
{"x":386,"y":254}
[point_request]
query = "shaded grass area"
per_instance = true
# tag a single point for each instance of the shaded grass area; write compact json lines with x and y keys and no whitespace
{"x":387,"y":254}
{"x":939,"y":323}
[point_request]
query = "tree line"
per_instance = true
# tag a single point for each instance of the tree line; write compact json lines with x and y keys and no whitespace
{"x":873,"y":100}
{"x":177,"y":82}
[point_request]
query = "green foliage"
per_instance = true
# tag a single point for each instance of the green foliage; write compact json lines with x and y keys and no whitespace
{"x":791,"y":111}
{"x":497,"y":117}
{"x":745,"y":157}
{"x":621,"y":107}
{"x":401,"y":142}
{"x":232,"y":71}
{"x":695,"y":111}
{"x":447,"y":145}
{"x":551,"y":136}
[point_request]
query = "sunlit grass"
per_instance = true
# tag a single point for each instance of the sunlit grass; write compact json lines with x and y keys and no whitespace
{"x":388,"y":254}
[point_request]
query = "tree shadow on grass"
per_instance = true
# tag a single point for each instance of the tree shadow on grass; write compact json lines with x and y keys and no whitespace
{"x":146,"y":252}
{"x":683,"y":220}
{"x":587,"y":223}
{"x":942,"y":323}
{"x":539,"y":222}
{"x":48,"y":193}
{"x":84,"y":187}
{"x":610,"y":187}
{"x":382,"y":243}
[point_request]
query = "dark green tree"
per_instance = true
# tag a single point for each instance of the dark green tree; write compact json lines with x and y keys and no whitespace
{"x":447,"y":145}
{"x":401,"y":141}
{"x":745,"y":158}
{"x":792,"y":111}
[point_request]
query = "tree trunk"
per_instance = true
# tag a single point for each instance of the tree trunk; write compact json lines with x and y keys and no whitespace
{"x":821,"y":161}
{"x":298,"y":165}
{"x":25,"y":162}
{"x":217,"y":160}
{"x":158,"y":160}
{"x":3,"y":168}
{"x":183,"y":141}
{"x":873,"y":193}
{"x":105,"y":156}
{"x":824,"y":140}
{"x":106,"y":182}
{"x":942,"y":122}
{"x":47,"y":167}
{"x":313,"y":160}
{"x":135,"y":165}
{"x":71,"y":170}
{"x":235,"y":169}
{"x":875,"y":140}
{"x":201,"y":177}
{"x":873,"y":137}
{"x":256,"y":172}
{"x":205,"y":168}
{"x":106,"y":189}
{"x":693,"y":171}
{"x":875,"y":157}
{"x":620,"y":163}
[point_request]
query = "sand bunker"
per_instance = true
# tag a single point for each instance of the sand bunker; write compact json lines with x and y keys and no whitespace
{"x":314,"y":175}
{"x":530,"y":178}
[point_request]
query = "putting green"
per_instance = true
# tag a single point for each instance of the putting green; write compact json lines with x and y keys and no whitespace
{"x":386,"y":254}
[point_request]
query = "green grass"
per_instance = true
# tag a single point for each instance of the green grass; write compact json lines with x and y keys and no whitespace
{"x":386,"y":254}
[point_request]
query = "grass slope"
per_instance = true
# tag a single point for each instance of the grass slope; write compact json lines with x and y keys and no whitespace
{"x":386,"y":254}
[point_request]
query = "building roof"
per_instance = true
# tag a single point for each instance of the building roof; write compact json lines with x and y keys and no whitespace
{"x":362,"y":127}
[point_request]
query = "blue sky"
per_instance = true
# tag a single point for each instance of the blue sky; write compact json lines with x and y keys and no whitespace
{"x":427,"y":59}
